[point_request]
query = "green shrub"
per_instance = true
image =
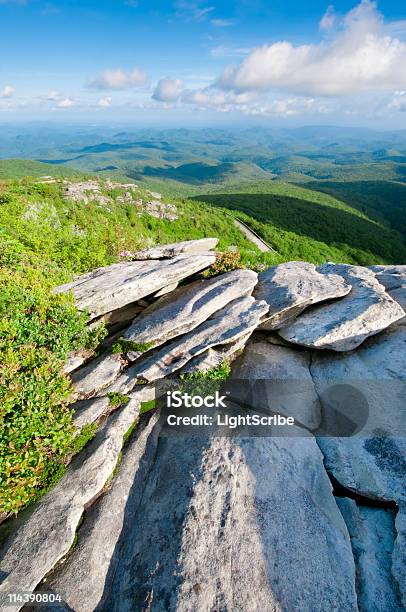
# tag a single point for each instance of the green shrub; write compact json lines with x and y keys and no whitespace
{"x":124,"y":346}
{"x":117,"y":399}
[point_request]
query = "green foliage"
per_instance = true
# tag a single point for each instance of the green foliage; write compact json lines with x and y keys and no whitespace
{"x":124,"y":346}
{"x":117,"y":399}
{"x":147,"y":406}
{"x":225,"y":262}
{"x":205,"y":383}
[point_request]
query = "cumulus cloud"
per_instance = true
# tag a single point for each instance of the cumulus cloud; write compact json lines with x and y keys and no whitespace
{"x":119,"y":79}
{"x":104,"y":102}
{"x":66,"y":103}
{"x":168,"y":90}
{"x":7,"y":92}
{"x":359,"y":57}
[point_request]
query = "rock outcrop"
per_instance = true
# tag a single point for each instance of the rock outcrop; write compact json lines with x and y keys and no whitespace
{"x":161,"y":520}
{"x":115,"y":286}
{"x":346,"y":323}
{"x":291,"y":287}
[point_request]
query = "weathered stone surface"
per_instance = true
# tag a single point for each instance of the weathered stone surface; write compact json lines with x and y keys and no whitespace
{"x":391,"y":281}
{"x":114,"y":286}
{"x":390,"y":269}
{"x":399,"y":295}
{"x":227,"y":325}
{"x":399,"y":552}
{"x":73,"y":362}
{"x":84,"y":578}
{"x":89,"y":410}
{"x":290,"y":287}
{"x":249,"y":524}
{"x":165,"y":251}
{"x":372,"y":533}
{"x":165,"y":290}
{"x":215,"y":356}
{"x":277,"y":380}
{"x":187,"y":307}
{"x":97,"y":374}
{"x":44,"y":534}
{"x":346,"y":323}
{"x":366,"y":388}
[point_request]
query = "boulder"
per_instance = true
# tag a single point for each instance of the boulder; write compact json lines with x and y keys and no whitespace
{"x":372,"y":533}
{"x":97,"y":374}
{"x":346,"y":323}
{"x":83,"y":580}
{"x":42,"y":535}
{"x":290,"y":287}
{"x":399,"y":552}
{"x":236,"y":524}
{"x":115,"y":286}
{"x":166,"y":251}
{"x":187,"y":307}
{"x":227,"y":325}
{"x":365,"y":392}
{"x":276,"y":379}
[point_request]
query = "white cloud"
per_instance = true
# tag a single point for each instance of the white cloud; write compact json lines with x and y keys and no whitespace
{"x":7,"y":92}
{"x":104,"y":102}
{"x":360,"y":57}
{"x":251,"y":103}
{"x":398,"y":102}
{"x":224,"y":51}
{"x":66,"y":103}
{"x":193,"y":10}
{"x":53,"y":95}
{"x":119,"y":79}
{"x":328,"y":19}
{"x":168,"y":90}
{"x":222,"y":23}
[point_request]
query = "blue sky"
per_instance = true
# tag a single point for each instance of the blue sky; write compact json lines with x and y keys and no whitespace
{"x":203,"y":61}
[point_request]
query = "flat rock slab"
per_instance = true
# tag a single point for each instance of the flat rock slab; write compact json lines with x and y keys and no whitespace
{"x":166,"y":251}
{"x":187,"y":307}
{"x":41,"y":536}
{"x":227,"y":325}
{"x":291,"y":287}
{"x":83,"y":580}
{"x":115,"y":286}
{"x":236,"y":524}
{"x":372,"y":532}
{"x":365,"y":391}
{"x":276,"y":379}
{"x":214,"y":357}
{"x":345,"y":324}
{"x":97,"y":374}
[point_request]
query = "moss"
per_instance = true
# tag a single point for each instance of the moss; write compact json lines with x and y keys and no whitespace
{"x":125,"y":346}
{"x":117,"y":399}
{"x":147,"y":406}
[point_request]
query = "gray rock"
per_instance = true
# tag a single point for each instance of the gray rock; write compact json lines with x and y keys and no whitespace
{"x":215,"y":356}
{"x":399,"y":552}
{"x":372,"y":533}
{"x":277,"y":379}
{"x":73,"y":362}
{"x":249,"y":524}
{"x":115,"y":286}
{"x":391,"y":281}
{"x":84,"y":578}
{"x":399,"y":295}
{"x":165,"y":290}
{"x":366,"y":391}
{"x":165,"y":251}
{"x":41,"y":536}
{"x":187,"y":307}
{"x":290,"y":287}
{"x":89,"y":410}
{"x":97,"y":374}
{"x":346,"y":323}
{"x":390,"y":269}
{"x":227,"y":325}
